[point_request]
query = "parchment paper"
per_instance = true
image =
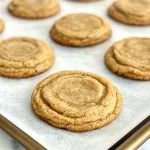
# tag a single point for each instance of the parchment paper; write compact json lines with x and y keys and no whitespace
{"x":15,"y":94}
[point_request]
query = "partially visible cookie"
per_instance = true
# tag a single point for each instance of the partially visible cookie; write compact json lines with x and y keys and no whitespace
{"x":130,"y":58}
{"x":76,"y":101}
{"x":85,"y":0}
{"x":33,"y":9}
{"x":80,"y":29}
{"x":1,"y":26}
{"x":134,"y":12}
{"x":22,"y":57}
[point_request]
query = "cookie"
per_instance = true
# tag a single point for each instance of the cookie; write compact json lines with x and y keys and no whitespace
{"x":22,"y":57}
{"x":33,"y":9}
{"x":85,"y":0}
{"x":130,"y":58}
{"x":133,"y":12}
{"x":76,"y":101}
{"x":1,"y":26}
{"x":80,"y":29}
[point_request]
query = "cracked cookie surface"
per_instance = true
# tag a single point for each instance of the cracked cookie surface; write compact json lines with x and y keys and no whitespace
{"x":134,"y":12}
{"x":76,"y":101}
{"x":33,"y":9}
{"x":130,"y":58}
{"x":24,"y":57}
{"x":80,"y":29}
{"x":1,"y":26}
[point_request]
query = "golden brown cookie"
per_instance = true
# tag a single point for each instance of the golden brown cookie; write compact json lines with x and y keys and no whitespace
{"x":134,"y":12}
{"x":24,"y":57}
{"x":33,"y":9}
{"x":1,"y":26}
{"x":76,"y":101}
{"x":85,"y":0}
{"x":80,"y":29}
{"x":130,"y":58}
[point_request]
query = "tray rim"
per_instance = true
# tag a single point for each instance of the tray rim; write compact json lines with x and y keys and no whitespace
{"x":133,"y":139}
{"x":23,"y":138}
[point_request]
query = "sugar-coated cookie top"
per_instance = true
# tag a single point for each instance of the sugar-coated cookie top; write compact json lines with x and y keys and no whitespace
{"x":133,"y":51}
{"x":80,"y":22}
{"x":24,"y":57}
{"x":134,"y":7}
{"x":82,"y":25}
{"x":77,"y":101}
{"x":33,"y":9}
{"x":33,"y":3}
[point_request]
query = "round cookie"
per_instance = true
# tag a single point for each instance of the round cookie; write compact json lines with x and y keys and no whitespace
{"x":22,"y":57}
{"x":76,"y":101}
{"x":1,"y":26}
{"x":134,"y":12}
{"x":33,"y":9}
{"x":130,"y":58}
{"x":80,"y":29}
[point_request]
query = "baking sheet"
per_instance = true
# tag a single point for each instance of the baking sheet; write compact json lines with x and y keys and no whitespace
{"x":15,"y":94}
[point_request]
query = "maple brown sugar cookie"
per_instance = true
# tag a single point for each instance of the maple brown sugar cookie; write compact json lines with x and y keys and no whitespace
{"x":33,"y":9}
{"x":80,"y":29}
{"x":22,"y":57}
{"x":76,"y":101}
{"x":1,"y":26}
{"x":130,"y":58}
{"x":134,"y":12}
